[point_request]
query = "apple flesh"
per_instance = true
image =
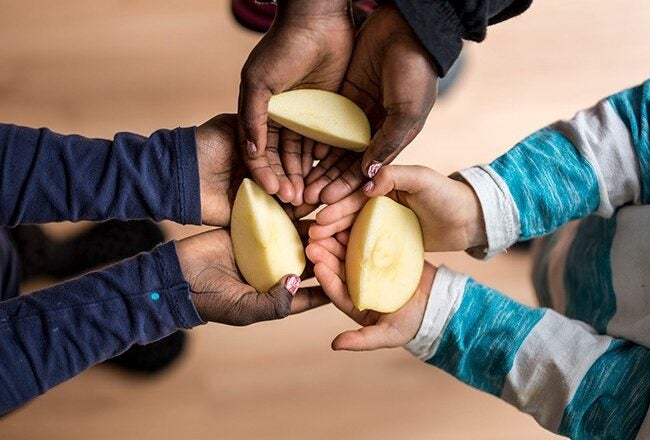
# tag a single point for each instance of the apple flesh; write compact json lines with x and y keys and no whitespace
{"x":323,"y":116}
{"x":265,"y":241}
{"x":385,"y":256}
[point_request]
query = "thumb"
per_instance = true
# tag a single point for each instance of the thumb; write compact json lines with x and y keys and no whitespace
{"x":253,"y":115}
{"x":280,"y":297}
{"x":407,"y":178}
{"x":368,"y":338}
{"x":395,"y":133}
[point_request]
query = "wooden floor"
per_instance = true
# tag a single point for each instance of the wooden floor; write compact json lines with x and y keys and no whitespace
{"x":97,"y":67}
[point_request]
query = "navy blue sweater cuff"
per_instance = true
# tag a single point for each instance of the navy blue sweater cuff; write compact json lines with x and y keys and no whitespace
{"x":187,"y":172}
{"x":177,"y":291}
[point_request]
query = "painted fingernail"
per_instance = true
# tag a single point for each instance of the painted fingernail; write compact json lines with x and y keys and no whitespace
{"x":369,"y":186}
{"x":374,"y":168}
{"x":292,"y":283}
{"x":251,"y":148}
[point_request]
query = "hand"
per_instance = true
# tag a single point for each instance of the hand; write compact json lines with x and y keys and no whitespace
{"x":449,"y":211}
{"x":392,"y":78}
{"x":308,"y":46}
{"x":379,"y":330}
{"x":221,"y":168}
{"x":219,"y":293}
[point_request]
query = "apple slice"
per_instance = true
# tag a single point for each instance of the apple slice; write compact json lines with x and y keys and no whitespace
{"x":264,"y":239}
{"x":385,"y":256}
{"x":323,"y":116}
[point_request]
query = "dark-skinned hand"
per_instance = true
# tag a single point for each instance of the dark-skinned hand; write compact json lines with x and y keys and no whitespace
{"x":308,"y":46}
{"x":221,"y":295}
{"x":392,"y":78}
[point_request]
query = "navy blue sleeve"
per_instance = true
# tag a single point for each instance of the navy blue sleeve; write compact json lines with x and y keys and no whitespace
{"x":53,"y":334}
{"x":48,"y":177}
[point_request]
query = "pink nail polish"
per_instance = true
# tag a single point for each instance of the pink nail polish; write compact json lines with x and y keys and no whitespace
{"x":251,"y":148}
{"x":369,"y":186}
{"x":292,"y":283}
{"x":374,"y":168}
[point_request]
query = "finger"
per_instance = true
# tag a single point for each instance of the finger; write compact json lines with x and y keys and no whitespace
{"x":285,"y":192}
{"x":395,"y":133}
{"x":319,"y":232}
{"x":320,"y":256}
{"x":260,"y":167}
{"x":343,"y":237}
{"x":279,"y":298}
{"x":307,"y":155}
{"x":253,"y":113}
{"x":368,"y":338}
{"x":323,"y":166}
{"x":321,"y":151}
{"x":291,"y":155}
{"x":409,"y":179}
{"x":349,"y":205}
{"x":333,"y":246}
{"x":262,"y":173}
{"x":307,"y":299}
{"x":335,"y":290}
{"x":344,"y":184}
{"x":332,"y":170}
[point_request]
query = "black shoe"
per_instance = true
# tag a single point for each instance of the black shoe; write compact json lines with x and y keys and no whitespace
{"x":152,"y":358}
{"x":103,"y":244}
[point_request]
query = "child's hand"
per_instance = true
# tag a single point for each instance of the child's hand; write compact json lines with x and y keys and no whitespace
{"x":379,"y":330}
{"x":449,"y":211}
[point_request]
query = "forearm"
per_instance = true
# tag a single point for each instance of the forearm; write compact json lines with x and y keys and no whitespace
{"x":47,"y":177}
{"x":51,"y":335}
{"x":572,"y":380}
{"x":593,"y":163}
{"x":442,"y":25}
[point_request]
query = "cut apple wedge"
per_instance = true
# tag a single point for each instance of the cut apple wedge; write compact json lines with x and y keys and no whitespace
{"x":323,"y":116}
{"x":265,"y":241}
{"x":385,"y":256}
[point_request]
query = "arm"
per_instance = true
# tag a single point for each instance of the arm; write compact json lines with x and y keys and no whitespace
{"x":52,"y":335}
{"x":47,"y":177}
{"x":593,"y":163}
{"x":573,"y":381}
{"x":442,"y":25}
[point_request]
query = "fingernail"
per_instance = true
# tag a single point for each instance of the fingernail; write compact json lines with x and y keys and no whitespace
{"x":292,"y":283}
{"x":251,"y":149}
{"x":374,"y":168}
{"x":369,"y":186}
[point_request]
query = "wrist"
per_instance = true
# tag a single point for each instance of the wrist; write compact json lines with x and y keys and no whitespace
{"x":306,"y":9}
{"x":475,"y":226}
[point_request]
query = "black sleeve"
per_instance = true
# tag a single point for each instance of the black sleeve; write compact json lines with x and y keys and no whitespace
{"x":441,"y":25}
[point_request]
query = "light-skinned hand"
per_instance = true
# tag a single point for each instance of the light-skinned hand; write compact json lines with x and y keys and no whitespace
{"x":448,"y":210}
{"x":379,"y":330}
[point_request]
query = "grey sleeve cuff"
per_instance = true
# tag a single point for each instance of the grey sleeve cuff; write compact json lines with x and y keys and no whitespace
{"x":499,"y":210}
{"x":444,"y":300}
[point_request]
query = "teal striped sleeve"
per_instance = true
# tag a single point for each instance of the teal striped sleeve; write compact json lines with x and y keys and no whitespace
{"x":593,"y":163}
{"x":571,"y":379}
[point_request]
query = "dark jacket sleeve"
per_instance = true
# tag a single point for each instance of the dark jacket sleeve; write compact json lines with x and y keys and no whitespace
{"x":48,"y":177}
{"x":54,"y":334}
{"x":441,"y":25}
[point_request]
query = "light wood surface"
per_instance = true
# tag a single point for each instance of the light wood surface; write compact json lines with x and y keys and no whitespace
{"x":97,"y":67}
